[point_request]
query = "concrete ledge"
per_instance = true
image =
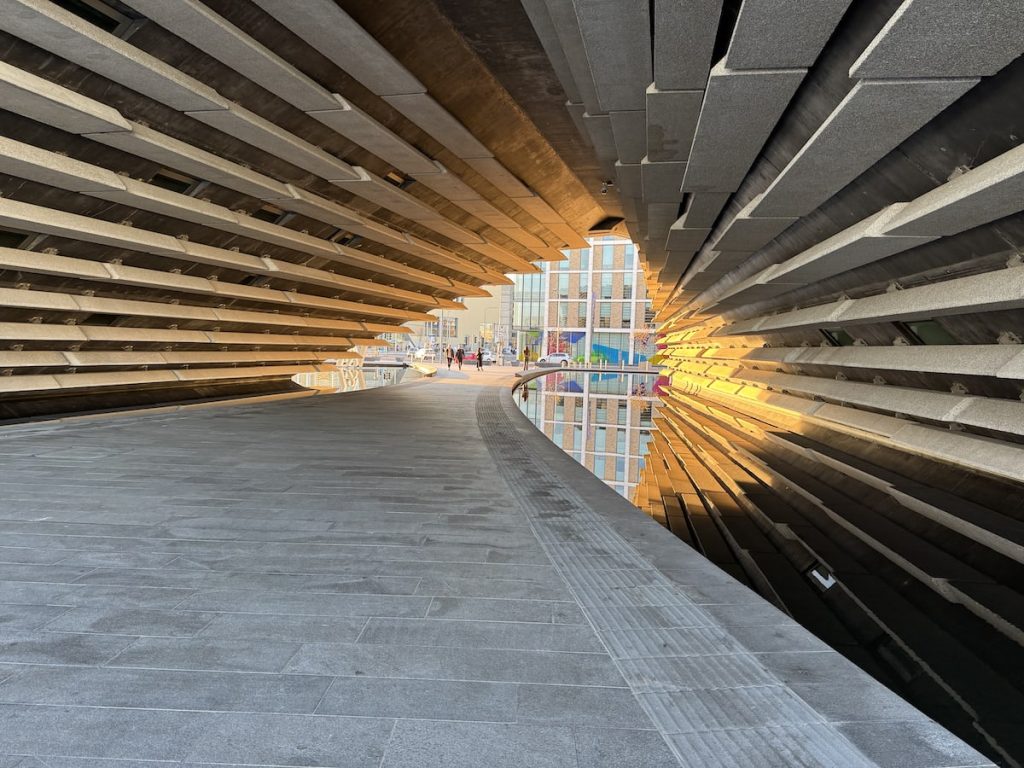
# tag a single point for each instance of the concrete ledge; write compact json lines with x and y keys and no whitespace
{"x":37,"y":98}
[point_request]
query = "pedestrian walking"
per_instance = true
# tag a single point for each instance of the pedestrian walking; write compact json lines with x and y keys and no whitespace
{"x":526,"y":358}
{"x":479,"y":358}
{"x":450,"y":355}
{"x":459,"y":357}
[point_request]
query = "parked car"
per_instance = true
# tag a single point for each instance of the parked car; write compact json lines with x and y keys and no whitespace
{"x":555,"y":358}
{"x":425,"y":353}
{"x":471,"y":356}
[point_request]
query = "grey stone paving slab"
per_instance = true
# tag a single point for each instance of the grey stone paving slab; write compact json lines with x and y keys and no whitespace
{"x":482,"y":634}
{"x":499,"y":588}
{"x":260,"y":655}
{"x":421,"y":699}
{"x":614,"y":748}
{"x":504,"y":610}
{"x":131,"y":621}
{"x":27,"y":617}
{"x":316,"y":604}
{"x":59,"y":647}
{"x":321,"y":741}
{"x":165,"y":689}
{"x":304,"y":601}
{"x":419,"y":743}
{"x":303,"y":629}
{"x":581,"y":706}
{"x":35,"y":593}
{"x":56,"y":732}
{"x":456,"y":664}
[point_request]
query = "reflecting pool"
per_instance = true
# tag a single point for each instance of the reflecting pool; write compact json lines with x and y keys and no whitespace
{"x":603,"y":420}
{"x":353,"y":379}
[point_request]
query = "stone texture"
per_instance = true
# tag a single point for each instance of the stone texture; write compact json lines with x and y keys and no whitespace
{"x":317,"y":606}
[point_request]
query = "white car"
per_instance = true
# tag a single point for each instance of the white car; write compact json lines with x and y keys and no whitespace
{"x":555,"y":358}
{"x":424,"y":353}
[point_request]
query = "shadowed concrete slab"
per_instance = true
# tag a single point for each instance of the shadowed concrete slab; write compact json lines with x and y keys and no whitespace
{"x":410,"y":576}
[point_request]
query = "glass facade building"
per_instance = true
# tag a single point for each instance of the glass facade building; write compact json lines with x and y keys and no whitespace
{"x":592,"y":306}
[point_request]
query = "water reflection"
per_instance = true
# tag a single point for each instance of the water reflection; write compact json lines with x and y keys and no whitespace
{"x":354,"y":379}
{"x":603,"y":420}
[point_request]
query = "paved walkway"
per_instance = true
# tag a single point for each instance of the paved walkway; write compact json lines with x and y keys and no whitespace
{"x":401,"y":578}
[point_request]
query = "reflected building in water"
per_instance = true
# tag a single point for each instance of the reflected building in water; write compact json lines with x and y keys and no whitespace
{"x":603,"y":420}
{"x":351,"y":376}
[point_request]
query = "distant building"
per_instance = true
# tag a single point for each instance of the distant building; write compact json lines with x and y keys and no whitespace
{"x":592,"y":306}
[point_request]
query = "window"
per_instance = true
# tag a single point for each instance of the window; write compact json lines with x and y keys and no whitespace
{"x":599,"y":466}
{"x":398,"y":179}
{"x":926,"y":332}
{"x":10,"y":238}
{"x":95,"y":12}
{"x":621,"y":414}
{"x":630,"y":256}
{"x":558,"y":438}
{"x":563,"y":286}
{"x":174,"y":181}
{"x":627,"y":285}
{"x":604,"y":314}
{"x":837,"y":337}
{"x":620,"y":469}
{"x":620,"y":440}
{"x":601,"y":439}
{"x":601,"y":410}
{"x":606,"y":286}
{"x":607,"y":256}
{"x":268,"y":213}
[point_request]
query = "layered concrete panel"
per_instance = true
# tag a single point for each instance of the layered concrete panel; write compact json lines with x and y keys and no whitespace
{"x":946,"y":39}
{"x":252,"y":129}
{"x":45,"y":102}
{"x":617,"y":38}
{"x":355,"y":125}
{"x":684,"y":38}
{"x":326,"y":27}
{"x":724,"y":147}
{"x":215,"y":36}
{"x":629,"y":130}
{"x":66,"y":35}
{"x":143,"y":141}
{"x":991,"y":191}
{"x":859,"y":132}
{"x":747,"y":233}
{"x":661,"y":181}
{"x":437,"y":121}
{"x":782,"y":34}
{"x":671,"y":123}
{"x":703,"y":209}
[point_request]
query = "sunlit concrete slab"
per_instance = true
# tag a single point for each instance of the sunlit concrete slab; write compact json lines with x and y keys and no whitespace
{"x":407,"y":576}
